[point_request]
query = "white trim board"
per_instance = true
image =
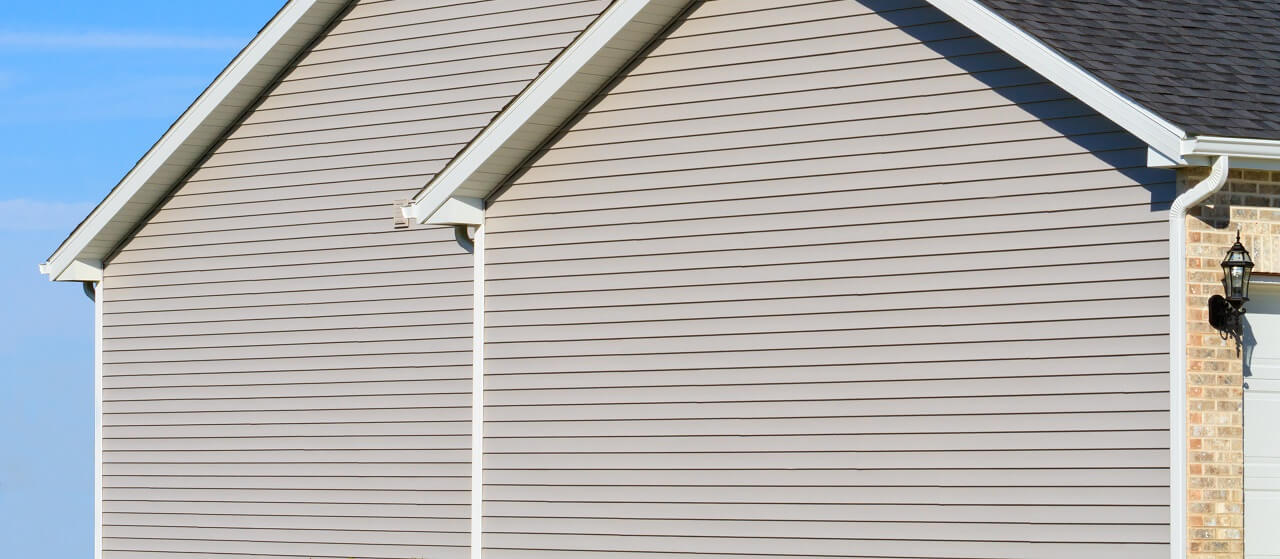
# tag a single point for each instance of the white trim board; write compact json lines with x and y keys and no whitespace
{"x":294,"y":27}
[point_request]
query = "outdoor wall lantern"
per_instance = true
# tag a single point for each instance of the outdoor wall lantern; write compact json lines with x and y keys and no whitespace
{"x":1226,"y":311}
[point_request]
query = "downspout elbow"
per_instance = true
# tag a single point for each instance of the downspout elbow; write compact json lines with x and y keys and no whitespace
{"x":462,"y":234}
{"x":1203,"y":189}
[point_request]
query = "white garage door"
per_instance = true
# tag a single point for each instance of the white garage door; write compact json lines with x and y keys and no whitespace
{"x":1262,"y":424}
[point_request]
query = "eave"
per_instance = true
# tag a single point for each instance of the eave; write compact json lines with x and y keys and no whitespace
{"x":80,"y":257}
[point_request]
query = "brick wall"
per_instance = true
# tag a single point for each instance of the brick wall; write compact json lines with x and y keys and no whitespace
{"x":1249,"y":202}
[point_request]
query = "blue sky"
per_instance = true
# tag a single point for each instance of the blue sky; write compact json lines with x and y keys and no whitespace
{"x":85,"y":88}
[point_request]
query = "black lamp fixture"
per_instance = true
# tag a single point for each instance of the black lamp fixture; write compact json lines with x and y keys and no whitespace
{"x":1226,"y":311}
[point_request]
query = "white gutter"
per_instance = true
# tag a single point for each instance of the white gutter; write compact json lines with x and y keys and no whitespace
{"x":1245,"y":153}
{"x":1178,"y":349}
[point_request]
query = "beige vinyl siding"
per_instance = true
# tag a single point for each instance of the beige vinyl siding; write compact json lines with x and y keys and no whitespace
{"x":809,"y":283}
{"x":285,"y":375}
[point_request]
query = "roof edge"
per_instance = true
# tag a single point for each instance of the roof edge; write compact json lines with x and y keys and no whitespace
{"x":190,"y":137}
{"x":1163,"y":136}
{"x":607,"y":46}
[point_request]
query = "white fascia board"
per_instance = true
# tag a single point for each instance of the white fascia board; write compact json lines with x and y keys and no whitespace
{"x":458,"y":211}
{"x":600,"y":52}
{"x":1162,"y":136}
{"x":192,"y":135}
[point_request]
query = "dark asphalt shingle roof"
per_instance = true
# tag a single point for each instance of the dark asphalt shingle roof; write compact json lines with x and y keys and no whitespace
{"x":1211,"y":67}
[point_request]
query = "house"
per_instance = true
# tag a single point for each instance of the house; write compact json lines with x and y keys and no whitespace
{"x":725,"y":279}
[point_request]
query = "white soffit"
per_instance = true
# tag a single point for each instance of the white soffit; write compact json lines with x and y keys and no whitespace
{"x":220,"y":106}
{"x":603,"y":49}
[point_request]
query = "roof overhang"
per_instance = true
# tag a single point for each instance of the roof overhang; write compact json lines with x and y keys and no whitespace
{"x":1169,"y":145}
{"x":607,"y":46}
{"x":581,"y":71}
{"x":188,"y":140}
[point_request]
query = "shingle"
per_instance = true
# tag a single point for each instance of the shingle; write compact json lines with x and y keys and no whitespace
{"x":1209,"y":66}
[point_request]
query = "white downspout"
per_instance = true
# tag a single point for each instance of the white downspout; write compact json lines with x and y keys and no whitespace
{"x":477,"y":395}
{"x":99,"y":290}
{"x":1178,"y":349}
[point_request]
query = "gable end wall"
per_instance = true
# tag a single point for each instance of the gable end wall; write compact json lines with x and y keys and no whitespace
{"x":829,"y":279}
{"x":285,"y":375}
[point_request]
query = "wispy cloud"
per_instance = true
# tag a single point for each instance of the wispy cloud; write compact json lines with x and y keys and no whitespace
{"x":22,"y":214}
{"x":113,"y":40}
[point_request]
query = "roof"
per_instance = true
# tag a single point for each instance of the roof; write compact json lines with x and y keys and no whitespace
{"x":1212,"y":67}
{"x":1078,"y":45}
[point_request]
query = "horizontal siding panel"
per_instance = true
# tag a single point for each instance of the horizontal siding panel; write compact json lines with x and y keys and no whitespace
{"x":1008,"y":349}
{"x":819,"y":339}
{"x":439,"y":442}
{"x":829,"y":123}
{"x":421,"y":140}
{"x":935,"y":86}
{"x":379,"y":104}
{"x":369,"y":15}
{"x":808,"y":39}
{"x":271,"y":337}
{"x":851,"y":512}
{"x":836,"y":424}
{"x":416,"y":412}
{"x":281,"y":456}
{"x":517,"y":59}
{"x":317,"y":139}
{"x":287,"y":509}
{"x":373,"y":524}
{"x":459,"y":385}
{"x":304,"y":305}
{"x":852,"y":407}
{"x":820,"y":443}
{"x":333,"y":469}
{"x":295,"y":291}
{"x":959,"y":173}
{"x":761,"y":547}
{"x":406,"y":428}
{"x":975,"y":279}
{"x":828,"y":320}
{"x":787,"y":264}
{"x":443,"y":257}
{"x":422,"y":238}
{"x":1116,"y":458}
{"x":302,"y":403}
{"x":330,"y":536}
{"x":277,"y":549}
{"x":1073,"y":367}
{"x":839,"y":495}
{"x":533,"y":38}
{"x":784,"y":391}
{"x":716,"y":18}
{"x":163,"y":334}
{"x":409,"y":34}
{"x":1000,"y":478}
